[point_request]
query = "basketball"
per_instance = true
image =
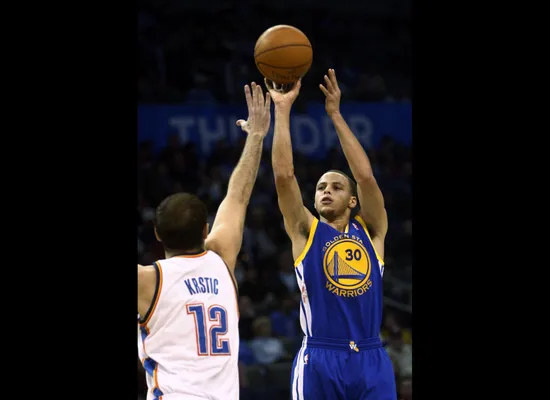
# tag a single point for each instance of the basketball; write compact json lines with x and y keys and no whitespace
{"x":283,"y":54}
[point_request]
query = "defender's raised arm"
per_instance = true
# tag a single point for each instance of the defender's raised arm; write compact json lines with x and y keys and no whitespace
{"x":227,"y":231}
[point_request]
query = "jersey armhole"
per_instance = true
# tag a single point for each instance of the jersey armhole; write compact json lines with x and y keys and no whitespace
{"x":235,"y":285}
{"x":156,"y":295}
{"x":312,"y":230}
{"x":364,"y":225}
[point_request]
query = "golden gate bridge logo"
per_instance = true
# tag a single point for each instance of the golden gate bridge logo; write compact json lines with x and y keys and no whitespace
{"x":339,"y":269}
{"x":347,"y":267}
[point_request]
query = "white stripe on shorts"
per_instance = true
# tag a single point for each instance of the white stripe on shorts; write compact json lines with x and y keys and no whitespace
{"x":298,"y":381}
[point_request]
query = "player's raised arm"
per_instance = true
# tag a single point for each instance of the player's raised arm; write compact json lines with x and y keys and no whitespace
{"x":297,"y":217}
{"x":226,"y":235}
{"x":370,"y":196}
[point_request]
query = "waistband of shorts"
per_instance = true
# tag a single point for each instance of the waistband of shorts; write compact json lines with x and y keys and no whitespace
{"x":341,"y":344}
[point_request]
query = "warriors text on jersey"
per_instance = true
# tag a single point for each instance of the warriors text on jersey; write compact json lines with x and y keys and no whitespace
{"x":340,"y":277}
{"x":189,"y":341}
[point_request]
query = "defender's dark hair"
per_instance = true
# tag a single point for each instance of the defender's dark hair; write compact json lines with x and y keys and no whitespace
{"x":352,"y":184}
{"x":180,"y":221}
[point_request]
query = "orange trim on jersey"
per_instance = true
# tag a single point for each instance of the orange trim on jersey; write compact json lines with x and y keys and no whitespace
{"x":155,"y":379}
{"x":234,"y":281}
{"x":143,"y":343}
{"x":364,"y":225}
{"x":236,"y":297}
{"x":155,"y":300}
{"x":155,"y":371}
{"x":192,"y":256}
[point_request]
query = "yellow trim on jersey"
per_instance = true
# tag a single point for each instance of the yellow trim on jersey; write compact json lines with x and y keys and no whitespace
{"x":360,"y":220}
{"x":155,"y":300}
{"x":308,"y":243}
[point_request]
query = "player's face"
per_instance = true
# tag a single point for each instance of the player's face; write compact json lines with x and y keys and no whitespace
{"x":333,"y":195}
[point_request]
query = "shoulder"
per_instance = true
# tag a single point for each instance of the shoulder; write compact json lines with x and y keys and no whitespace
{"x":219,"y":248}
{"x":145,"y":270}
{"x":313,"y":227}
{"x":369,"y":228}
{"x":309,"y":235}
{"x":361,"y":222}
{"x":147,"y":274}
{"x":213,"y":255}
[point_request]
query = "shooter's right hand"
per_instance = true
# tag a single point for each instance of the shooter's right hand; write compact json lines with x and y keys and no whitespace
{"x":283,"y":100}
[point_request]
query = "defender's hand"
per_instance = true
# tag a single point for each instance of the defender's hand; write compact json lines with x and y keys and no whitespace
{"x":283,"y":100}
{"x":332,"y":93}
{"x":259,"y":111}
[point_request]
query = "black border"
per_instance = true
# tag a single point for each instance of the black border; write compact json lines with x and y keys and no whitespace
{"x":76,"y":163}
{"x":461,"y":165}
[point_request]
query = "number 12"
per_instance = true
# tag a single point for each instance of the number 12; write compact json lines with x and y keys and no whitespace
{"x":211,"y":344}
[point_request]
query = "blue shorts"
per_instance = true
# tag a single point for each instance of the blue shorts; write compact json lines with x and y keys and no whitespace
{"x":341,"y":370}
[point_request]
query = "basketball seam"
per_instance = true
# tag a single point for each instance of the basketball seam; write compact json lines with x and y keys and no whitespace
{"x":278,"y":28}
{"x":281,"y":47}
{"x":258,"y":63}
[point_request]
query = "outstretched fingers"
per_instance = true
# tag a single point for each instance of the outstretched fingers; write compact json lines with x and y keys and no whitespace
{"x":332,"y":76}
{"x":266,"y":83}
{"x":259,"y":97}
{"x":296,"y":87}
{"x":248,"y":96}
{"x":328,"y":84}
{"x":254,"y":93}
{"x":267,"y":104}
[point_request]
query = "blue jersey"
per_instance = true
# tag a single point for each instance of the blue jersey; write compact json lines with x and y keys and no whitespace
{"x":340,"y":277}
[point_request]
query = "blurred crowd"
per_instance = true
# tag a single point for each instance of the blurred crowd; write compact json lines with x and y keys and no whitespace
{"x":269,"y":296}
{"x":205,"y":56}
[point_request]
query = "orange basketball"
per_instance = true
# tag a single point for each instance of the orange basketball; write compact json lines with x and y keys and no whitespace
{"x":283,"y":54}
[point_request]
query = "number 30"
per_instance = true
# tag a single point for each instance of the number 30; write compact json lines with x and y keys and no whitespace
{"x":350,"y":254}
{"x":211,"y":345}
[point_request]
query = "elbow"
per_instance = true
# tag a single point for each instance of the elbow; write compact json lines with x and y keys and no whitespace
{"x":239,"y":199}
{"x":237,"y":196}
{"x":283,"y":173}
{"x":365,"y":179}
{"x":282,"y":166}
{"x":283,"y":177}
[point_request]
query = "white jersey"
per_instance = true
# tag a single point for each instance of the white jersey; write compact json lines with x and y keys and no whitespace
{"x":189,"y":341}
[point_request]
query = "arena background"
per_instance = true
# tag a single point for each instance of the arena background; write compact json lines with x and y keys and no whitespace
{"x":194,"y":59}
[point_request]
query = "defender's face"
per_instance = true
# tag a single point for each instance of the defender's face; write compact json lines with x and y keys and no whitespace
{"x":333,"y":195}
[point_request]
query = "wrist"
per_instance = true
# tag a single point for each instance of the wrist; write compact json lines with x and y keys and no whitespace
{"x":283,"y":109}
{"x":257,"y":135}
{"x":335,"y":114}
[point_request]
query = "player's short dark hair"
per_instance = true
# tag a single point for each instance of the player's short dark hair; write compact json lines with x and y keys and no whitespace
{"x":352,"y":184}
{"x":180,"y":221}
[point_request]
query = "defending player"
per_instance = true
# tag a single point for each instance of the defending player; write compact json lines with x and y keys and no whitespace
{"x":338,"y":264}
{"x":188,"y":334}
